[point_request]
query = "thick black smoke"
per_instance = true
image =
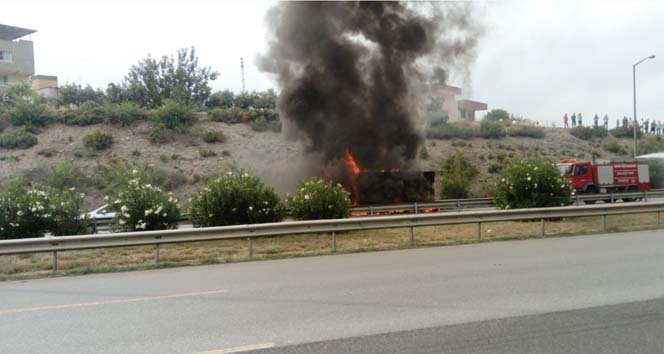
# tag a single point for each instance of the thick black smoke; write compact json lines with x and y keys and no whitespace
{"x":352,"y":74}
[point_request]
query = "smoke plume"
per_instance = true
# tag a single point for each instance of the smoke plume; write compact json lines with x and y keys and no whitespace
{"x":353,"y":74}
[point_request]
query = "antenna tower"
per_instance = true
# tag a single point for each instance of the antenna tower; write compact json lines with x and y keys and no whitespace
{"x":242,"y":67}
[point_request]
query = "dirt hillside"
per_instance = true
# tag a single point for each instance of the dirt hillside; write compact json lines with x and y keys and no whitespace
{"x":191,"y":161}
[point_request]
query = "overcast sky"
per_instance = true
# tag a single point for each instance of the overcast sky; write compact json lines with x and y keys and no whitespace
{"x":538,"y":59}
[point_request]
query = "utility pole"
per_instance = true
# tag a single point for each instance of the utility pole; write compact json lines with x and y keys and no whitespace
{"x":636,"y":124}
{"x":242,"y":67}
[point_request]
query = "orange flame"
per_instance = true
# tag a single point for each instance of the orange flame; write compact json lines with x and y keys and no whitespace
{"x":352,"y":172}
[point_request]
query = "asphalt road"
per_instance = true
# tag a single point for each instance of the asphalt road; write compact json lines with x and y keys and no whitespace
{"x":601,"y":294}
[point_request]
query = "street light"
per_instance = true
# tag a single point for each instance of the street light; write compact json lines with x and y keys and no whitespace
{"x":634,"y":86}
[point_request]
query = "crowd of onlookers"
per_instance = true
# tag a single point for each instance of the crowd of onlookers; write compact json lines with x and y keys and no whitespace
{"x":646,"y":126}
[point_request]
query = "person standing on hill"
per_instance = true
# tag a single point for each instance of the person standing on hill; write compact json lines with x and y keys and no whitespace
{"x":653,"y":126}
{"x":595,"y":121}
{"x":573,"y":119}
{"x":606,"y":121}
{"x":565,"y":118}
{"x":580,"y":119}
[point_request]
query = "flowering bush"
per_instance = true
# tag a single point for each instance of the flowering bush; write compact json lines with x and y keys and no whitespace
{"x":235,"y":198}
{"x":531,"y":183}
{"x":142,"y":206}
{"x":318,"y":199}
{"x":27,"y":212}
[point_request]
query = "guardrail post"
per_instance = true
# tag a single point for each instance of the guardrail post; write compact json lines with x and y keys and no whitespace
{"x":95,"y":227}
{"x":412,"y":235}
{"x":417,"y":209}
{"x":542,"y":227}
{"x":55,"y":261}
{"x":370,"y":210}
{"x":612,"y":198}
{"x":458,"y":204}
{"x":479,"y":231}
{"x":577,"y":199}
{"x":156,"y":253}
{"x":604,"y":222}
{"x":334,"y":242}
{"x":250,"y":244}
{"x":645,"y":198}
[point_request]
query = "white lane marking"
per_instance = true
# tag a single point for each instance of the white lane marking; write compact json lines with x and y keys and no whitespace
{"x":109,"y":302}
{"x":245,"y":348}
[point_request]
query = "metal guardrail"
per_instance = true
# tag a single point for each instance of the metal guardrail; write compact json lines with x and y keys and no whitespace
{"x":249,"y":232}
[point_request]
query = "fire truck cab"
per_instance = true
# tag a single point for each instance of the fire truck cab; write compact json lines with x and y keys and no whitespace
{"x":606,"y":176}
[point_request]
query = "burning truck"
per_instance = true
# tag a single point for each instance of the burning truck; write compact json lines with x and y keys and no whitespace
{"x":387,"y":187}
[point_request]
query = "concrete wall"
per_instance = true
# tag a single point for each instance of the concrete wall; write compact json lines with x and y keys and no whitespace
{"x":23,"y":64}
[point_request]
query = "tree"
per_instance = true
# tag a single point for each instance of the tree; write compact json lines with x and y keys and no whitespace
{"x":75,"y":94}
{"x":151,"y":81}
{"x":498,"y":115}
{"x":221,"y":99}
{"x":456,"y":176}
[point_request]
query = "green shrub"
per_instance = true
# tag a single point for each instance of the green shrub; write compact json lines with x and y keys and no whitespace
{"x":75,"y":94}
{"x":27,"y":211}
{"x":318,"y":199}
{"x":495,"y":168}
{"x":205,"y":153}
{"x":447,"y":131}
{"x":490,"y":129}
{"x":533,"y":183}
{"x":588,"y":133}
{"x":31,"y":114}
{"x":626,"y":132}
{"x":614,"y":146}
{"x":656,"y":168}
{"x":175,"y":114}
{"x":67,"y":207}
{"x":24,"y":211}
{"x":224,"y":99}
{"x":455,"y":177}
{"x":649,"y":145}
{"x":160,"y":135}
{"x":424,"y":152}
{"x":124,"y":113}
{"x":259,"y":125}
{"x":232,"y":115}
{"x":65,"y":175}
{"x":142,"y":206}
{"x":87,"y":113}
{"x":214,"y":137}
{"x":98,"y":141}
{"x":113,"y":176}
{"x":235,"y":198}
{"x":274,"y":126}
{"x":19,"y":138}
{"x":529,"y":131}
{"x":497,"y":115}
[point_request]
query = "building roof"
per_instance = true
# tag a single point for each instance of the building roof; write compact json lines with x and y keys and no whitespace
{"x":472,"y":105}
{"x":10,"y":33}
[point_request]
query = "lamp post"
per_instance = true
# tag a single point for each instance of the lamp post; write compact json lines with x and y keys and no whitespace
{"x":634,"y":86}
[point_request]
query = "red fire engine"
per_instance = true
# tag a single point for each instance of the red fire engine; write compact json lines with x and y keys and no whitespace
{"x":607,"y":176}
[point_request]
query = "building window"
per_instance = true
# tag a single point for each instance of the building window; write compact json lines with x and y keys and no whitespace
{"x":6,"y":56}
